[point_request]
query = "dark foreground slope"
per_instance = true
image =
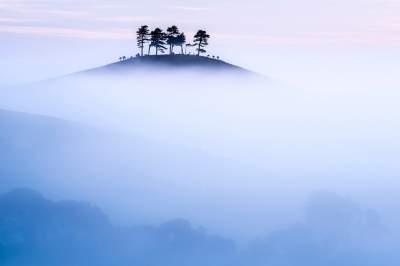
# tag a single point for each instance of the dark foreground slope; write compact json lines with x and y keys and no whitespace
{"x":171,"y":63}
{"x":37,"y":231}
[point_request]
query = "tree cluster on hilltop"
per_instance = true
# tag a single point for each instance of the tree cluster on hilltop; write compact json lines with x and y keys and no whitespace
{"x":168,"y":40}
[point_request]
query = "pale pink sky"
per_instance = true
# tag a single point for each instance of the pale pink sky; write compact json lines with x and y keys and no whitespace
{"x":265,"y":21}
{"x":262,"y":28}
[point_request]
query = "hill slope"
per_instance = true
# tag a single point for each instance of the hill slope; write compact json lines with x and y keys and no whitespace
{"x":38,"y":151}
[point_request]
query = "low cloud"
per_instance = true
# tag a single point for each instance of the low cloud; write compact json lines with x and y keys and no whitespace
{"x":130,"y":19}
{"x":189,"y":8}
{"x":69,"y":32}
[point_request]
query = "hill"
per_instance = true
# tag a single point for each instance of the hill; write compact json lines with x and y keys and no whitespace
{"x":170,"y":63}
{"x":38,"y":231}
{"x":68,"y":157}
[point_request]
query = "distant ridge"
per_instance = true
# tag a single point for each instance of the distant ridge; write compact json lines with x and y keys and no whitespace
{"x":169,"y":63}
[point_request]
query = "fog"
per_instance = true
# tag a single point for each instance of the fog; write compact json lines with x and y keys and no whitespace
{"x":295,"y":165}
{"x":237,"y":155}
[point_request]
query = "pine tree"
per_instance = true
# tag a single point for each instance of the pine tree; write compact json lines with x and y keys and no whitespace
{"x":201,"y":41}
{"x":172,"y":33}
{"x":158,"y":38}
{"x":142,"y":36}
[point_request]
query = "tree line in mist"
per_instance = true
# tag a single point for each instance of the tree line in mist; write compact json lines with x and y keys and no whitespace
{"x":36,"y":231}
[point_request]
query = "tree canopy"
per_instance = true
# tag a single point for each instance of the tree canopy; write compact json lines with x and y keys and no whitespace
{"x":172,"y":33}
{"x":158,"y":38}
{"x":172,"y":38}
{"x":201,"y":41}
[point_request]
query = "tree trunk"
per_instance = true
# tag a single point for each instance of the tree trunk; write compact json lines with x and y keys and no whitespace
{"x":149,"y":49}
{"x":198,"y":51}
{"x":181,"y":49}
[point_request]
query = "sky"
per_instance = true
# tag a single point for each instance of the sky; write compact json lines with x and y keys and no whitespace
{"x":287,"y":39}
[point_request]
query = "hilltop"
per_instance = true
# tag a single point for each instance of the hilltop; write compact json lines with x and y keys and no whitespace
{"x":174,"y":62}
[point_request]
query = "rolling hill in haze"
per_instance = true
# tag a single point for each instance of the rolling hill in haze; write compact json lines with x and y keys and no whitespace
{"x":35,"y":146}
{"x":101,"y":165}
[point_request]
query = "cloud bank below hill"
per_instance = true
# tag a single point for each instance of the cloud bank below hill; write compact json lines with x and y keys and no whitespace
{"x":220,"y":137}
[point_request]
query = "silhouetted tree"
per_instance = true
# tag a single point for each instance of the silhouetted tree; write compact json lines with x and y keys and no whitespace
{"x":201,"y":41}
{"x":142,"y":36}
{"x":172,"y":33}
{"x":180,"y":40}
{"x":158,"y":38}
